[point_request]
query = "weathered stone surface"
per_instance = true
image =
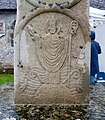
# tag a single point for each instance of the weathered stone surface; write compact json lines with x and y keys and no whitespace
{"x":32,"y":112}
{"x":51,"y":54}
{"x":54,"y":3}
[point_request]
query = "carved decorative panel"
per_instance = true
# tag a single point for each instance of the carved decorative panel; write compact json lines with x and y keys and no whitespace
{"x":51,"y":54}
{"x":53,"y":3}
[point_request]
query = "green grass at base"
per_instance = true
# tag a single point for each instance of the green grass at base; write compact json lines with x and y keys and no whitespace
{"x":6,"y":78}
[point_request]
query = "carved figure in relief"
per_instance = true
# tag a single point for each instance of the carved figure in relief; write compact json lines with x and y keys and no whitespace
{"x":52,"y":48}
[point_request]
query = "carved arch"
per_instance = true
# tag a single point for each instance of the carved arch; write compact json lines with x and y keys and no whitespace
{"x":20,"y":26}
{"x":84,"y":27}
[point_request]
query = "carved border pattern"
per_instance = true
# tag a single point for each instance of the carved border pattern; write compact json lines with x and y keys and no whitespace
{"x":67,"y":4}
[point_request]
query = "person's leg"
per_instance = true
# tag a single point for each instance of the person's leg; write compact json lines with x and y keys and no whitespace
{"x":95,"y":78}
{"x":91,"y":80}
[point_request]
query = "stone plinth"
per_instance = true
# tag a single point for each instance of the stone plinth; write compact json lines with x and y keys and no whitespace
{"x":52,"y":52}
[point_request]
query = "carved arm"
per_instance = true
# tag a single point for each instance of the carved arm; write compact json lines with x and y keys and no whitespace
{"x":33,"y":33}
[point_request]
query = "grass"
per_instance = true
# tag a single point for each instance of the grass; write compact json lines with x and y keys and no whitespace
{"x":6,"y":78}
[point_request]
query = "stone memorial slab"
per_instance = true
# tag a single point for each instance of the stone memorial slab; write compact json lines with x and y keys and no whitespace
{"x":52,"y":53}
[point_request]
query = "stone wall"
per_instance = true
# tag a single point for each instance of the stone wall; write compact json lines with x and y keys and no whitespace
{"x":100,"y":4}
{"x":8,"y":4}
{"x":7,"y":17}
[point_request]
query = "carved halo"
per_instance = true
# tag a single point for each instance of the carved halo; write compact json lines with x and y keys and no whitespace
{"x":54,"y":3}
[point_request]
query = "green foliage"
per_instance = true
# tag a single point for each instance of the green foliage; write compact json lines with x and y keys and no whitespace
{"x":6,"y":78}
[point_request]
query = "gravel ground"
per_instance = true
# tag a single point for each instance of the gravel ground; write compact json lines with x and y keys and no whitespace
{"x":96,"y":110}
{"x":7,"y":111}
{"x":97,"y":102}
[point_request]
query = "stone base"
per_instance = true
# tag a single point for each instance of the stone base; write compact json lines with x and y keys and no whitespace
{"x":32,"y":112}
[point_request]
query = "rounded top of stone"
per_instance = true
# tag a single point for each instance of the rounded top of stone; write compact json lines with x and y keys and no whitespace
{"x":36,"y":12}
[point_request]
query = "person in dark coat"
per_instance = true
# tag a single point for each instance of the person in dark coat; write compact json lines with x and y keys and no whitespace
{"x":95,"y":50}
